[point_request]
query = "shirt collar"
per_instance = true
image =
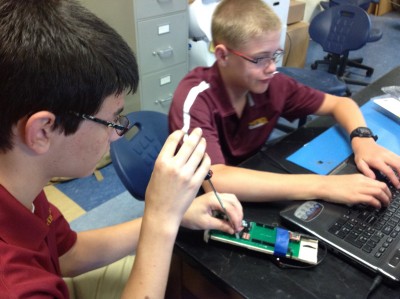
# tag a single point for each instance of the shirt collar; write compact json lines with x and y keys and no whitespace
{"x":19,"y":226}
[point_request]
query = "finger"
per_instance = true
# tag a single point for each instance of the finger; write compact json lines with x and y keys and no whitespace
{"x":391,"y":174}
{"x":171,"y":143}
{"x":364,"y":168}
{"x":235,"y":212}
{"x":192,"y":155}
{"x":221,"y":225}
{"x":378,"y":187}
{"x":395,"y":165}
{"x":232,"y":207}
{"x":201,"y":170}
{"x":376,"y":197}
{"x":192,"y":148}
{"x":383,"y":199}
{"x":384,"y":169}
{"x":190,"y":144}
{"x":373,"y":202}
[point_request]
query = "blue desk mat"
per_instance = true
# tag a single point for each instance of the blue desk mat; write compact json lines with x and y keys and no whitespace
{"x":328,"y":150}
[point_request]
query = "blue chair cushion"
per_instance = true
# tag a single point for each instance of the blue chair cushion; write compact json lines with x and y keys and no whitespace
{"x":318,"y":79}
{"x":375,"y":34}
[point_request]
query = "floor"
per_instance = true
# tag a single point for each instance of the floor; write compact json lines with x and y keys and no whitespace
{"x":95,"y":201}
{"x":101,"y":199}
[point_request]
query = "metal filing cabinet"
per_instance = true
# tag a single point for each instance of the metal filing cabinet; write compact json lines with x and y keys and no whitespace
{"x":157,"y":31}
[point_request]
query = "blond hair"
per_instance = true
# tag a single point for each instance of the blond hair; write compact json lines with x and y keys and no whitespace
{"x":235,"y":22}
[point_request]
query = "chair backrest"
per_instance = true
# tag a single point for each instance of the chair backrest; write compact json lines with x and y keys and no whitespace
{"x":133,"y":156}
{"x":341,"y":29}
{"x":364,"y":4}
{"x":375,"y":33}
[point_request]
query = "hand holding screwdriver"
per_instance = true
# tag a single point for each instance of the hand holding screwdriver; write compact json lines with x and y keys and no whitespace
{"x":208,"y":178}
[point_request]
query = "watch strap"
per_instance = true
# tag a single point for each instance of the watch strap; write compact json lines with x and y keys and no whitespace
{"x":363,"y":132}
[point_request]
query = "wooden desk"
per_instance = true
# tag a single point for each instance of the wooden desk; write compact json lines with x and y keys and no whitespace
{"x":201,"y":270}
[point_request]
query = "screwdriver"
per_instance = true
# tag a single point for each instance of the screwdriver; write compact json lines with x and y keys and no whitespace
{"x":208,"y":178}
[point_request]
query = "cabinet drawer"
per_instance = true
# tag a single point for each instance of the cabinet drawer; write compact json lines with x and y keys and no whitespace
{"x":157,"y":88}
{"x":150,"y":8}
{"x":163,"y":42}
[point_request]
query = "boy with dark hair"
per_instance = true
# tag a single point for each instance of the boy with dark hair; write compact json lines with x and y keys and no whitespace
{"x":63,"y":77}
{"x":239,"y":99}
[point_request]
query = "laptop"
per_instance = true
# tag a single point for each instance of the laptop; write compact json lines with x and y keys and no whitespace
{"x":359,"y":233}
{"x":366,"y":236}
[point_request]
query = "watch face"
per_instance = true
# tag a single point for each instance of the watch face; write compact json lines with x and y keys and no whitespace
{"x":364,"y":132}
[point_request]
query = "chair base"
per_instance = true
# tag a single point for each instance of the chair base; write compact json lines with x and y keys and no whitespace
{"x":334,"y":67}
{"x":351,"y":81}
{"x":358,"y":64}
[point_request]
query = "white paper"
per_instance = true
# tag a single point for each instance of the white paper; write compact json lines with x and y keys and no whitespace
{"x":390,"y":105}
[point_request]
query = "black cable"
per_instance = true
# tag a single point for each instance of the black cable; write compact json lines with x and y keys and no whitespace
{"x":377,"y":281}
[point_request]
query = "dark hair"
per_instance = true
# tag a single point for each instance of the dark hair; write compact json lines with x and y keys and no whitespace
{"x":57,"y":56}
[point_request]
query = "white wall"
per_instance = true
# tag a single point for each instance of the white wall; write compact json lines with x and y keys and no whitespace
{"x":312,"y":8}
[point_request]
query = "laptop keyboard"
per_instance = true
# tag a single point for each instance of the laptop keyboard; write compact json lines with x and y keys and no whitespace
{"x":370,"y":229}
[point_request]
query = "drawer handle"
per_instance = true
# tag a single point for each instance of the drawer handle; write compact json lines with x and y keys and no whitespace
{"x":164,"y":1}
{"x":162,"y":101}
{"x":164,"y":53}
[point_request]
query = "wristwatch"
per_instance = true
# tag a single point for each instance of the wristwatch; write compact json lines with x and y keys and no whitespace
{"x":363,"y":132}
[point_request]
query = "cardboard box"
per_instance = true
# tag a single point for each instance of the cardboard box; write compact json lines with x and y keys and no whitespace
{"x":296,"y":11}
{"x":296,"y":45}
{"x":381,"y":8}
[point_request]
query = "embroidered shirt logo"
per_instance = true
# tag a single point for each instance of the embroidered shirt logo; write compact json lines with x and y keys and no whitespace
{"x":258,"y":123}
{"x":49,"y":218}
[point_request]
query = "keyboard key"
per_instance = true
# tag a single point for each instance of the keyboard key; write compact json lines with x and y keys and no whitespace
{"x":354,"y":242}
{"x":367,"y":248}
{"x":387,"y":229}
{"x":371,"y":243}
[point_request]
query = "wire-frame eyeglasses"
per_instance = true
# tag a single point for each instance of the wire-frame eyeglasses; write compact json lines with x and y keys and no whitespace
{"x":121,"y":124}
{"x":263,"y":61}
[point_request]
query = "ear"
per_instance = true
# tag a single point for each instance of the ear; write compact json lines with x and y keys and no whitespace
{"x":221,"y":54}
{"x":38,"y":131}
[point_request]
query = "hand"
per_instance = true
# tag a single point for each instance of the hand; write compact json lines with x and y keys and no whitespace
{"x":177,"y":177}
{"x":200,"y":213}
{"x":355,"y":189}
{"x":369,"y":155}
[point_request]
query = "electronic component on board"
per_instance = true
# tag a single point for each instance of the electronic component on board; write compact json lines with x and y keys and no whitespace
{"x":271,"y":240}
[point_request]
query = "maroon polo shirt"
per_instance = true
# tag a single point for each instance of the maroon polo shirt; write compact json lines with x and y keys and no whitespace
{"x":30,"y":244}
{"x":201,"y":100}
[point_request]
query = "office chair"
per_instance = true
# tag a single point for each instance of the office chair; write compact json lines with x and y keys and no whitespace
{"x":317,"y":79}
{"x":133,"y":156}
{"x":339,"y":30}
{"x":375,"y":34}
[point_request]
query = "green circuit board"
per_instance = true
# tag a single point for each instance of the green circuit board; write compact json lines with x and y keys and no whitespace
{"x":261,"y":237}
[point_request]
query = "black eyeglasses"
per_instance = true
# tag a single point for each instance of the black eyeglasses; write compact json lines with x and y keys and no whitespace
{"x":263,"y":61}
{"x":121,"y":124}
